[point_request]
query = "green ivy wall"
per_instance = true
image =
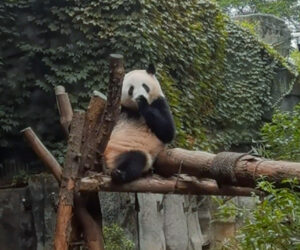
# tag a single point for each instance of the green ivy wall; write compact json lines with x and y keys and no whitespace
{"x":217,"y":77}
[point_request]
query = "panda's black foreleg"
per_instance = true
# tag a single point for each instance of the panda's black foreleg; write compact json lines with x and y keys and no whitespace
{"x":158,"y":117}
{"x":129,"y":166}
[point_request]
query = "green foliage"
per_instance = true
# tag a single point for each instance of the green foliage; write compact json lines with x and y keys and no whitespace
{"x":295,"y":55}
{"x":20,"y":179}
{"x":246,"y":95}
{"x":274,"y":222}
{"x":226,"y":209}
{"x":115,"y":238}
{"x":281,"y":137}
{"x":217,"y":77}
{"x":250,"y":26}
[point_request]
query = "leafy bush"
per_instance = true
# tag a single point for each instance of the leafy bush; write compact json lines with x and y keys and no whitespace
{"x":274,"y":222}
{"x":281,"y":137}
{"x":115,"y":238}
{"x":295,"y":55}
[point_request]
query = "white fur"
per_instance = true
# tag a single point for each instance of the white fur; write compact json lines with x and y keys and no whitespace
{"x":136,"y":78}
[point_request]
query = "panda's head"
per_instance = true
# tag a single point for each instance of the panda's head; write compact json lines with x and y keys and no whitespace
{"x":137,"y":83}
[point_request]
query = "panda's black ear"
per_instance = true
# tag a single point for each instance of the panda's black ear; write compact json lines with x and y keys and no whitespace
{"x":151,"y":69}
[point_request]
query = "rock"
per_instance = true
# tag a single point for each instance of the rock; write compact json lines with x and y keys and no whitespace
{"x":17,"y":230}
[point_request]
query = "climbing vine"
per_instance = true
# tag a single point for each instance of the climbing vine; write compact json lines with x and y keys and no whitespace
{"x":217,"y":77}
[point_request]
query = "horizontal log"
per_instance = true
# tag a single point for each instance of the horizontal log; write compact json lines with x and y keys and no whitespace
{"x":154,"y":184}
{"x":246,"y":170}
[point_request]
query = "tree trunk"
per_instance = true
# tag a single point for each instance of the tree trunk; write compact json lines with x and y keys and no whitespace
{"x":70,"y":174}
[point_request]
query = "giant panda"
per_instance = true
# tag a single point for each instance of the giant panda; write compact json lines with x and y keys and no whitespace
{"x":142,"y":130}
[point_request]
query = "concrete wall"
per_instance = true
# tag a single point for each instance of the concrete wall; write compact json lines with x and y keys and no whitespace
{"x":151,"y":221}
{"x":272,"y":30}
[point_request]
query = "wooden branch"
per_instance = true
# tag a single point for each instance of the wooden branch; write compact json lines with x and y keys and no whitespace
{"x":42,"y":152}
{"x":247,"y":169}
{"x":91,"y":126}
{"x":112,"y":109}
{"x":182,"y":185}
{"x":101,"y":117}
{"x":92,"y":232}
{"x":64,"y":108}
{"x":70,"y":173}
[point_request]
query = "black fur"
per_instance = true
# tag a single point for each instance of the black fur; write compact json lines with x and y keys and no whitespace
{"x":129,"y":166}
{"x":151,"y":69}
{"x":146,"y":87}
{"x":130,"y":91}
{"x":131,"y":114}
{"x":158,"y":118}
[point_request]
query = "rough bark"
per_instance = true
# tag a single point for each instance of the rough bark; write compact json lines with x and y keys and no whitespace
{"x":64,"y":108}
{"x":91,"y":126}
{"x":112,"y":108}
{"x":156,"y":184}
{"x":70,"y":174}
{"x":99,"y":122}
{"x":92,"y":232}
{"x":246,"y":170}
{"x":42,"y":152}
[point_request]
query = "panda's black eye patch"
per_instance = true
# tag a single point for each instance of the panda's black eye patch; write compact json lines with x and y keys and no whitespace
{"x":146,"y":87}
{"x":130,"y":91}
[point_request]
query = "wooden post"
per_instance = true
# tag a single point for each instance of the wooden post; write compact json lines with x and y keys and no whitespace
{"x":91,"y":127}
{"x":113,"y":107}
{"x":64,"y":108}
{"x":92,"y":232}
{"x":70,"y":173}
{"x":100,"y":120}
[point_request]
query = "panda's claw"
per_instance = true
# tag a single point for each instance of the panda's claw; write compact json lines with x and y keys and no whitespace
{"x":117,"y":175}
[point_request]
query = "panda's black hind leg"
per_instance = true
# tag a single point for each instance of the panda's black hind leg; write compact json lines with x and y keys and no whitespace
{"x":129,"y":166}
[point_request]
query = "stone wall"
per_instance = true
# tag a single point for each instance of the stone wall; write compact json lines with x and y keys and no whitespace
{"x":272,"y":30}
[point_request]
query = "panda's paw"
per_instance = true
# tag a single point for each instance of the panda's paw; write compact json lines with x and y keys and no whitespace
{"x":142,"y":102}
{"x":118,"y":176}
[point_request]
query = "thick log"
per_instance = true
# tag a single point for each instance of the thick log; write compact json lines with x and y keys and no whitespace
{"x":155,"y":184}
{"x":92,"y":232}
{"x":113,"y":107}
{"x":246,"y":169}
{"x":64,"y":108}
{"x":91,"y":126}
{"x":101,"y":117}
{"x":99,"y":122}
{"x":70,"y":174}
{"x":42,"y":152}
